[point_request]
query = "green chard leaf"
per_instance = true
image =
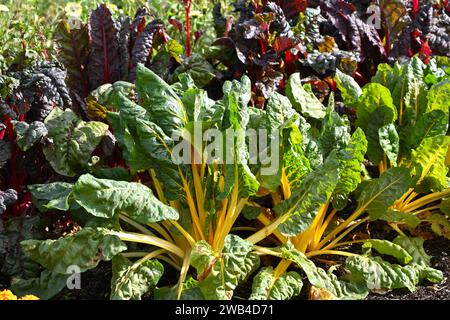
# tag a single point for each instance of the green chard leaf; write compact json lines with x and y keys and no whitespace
{"x":398,"y":216}
{"x":107,"y":198}
{"x":220,"y":275}
{"x":28,"y":134}
{"x":286,"y":287}
{"x":303,"y":99}
{"x":315,"y":190}
{"x":431,"y":124}
{"x":161,"y":102}
{"x":390,"y":142}
{"x":428,"y":164}
{"x":350,"y":89}
{"x":351,"y":158}
{"x":131,"y":281}
{"x":409,"y":93}
{"x":84,"y":249}
{"x":335,"y":133}
{"x":381,"y":275}
{"x":45,"y":287}
{"x":52,"y":195}
{"x":389,"y":248}
{"x":377,"y":195}
{"x":73,"y":141}
{"x":375,"y":110}
{"x":318,"y":277}
{"x":415,"y":248}
{"x":438,"y":97}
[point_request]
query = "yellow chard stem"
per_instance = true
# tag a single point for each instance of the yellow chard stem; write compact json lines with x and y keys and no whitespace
{"x":423,"y":201}
{"x":150,"y":240}
{"x":332,"y":252}
{"x":183,"y":232}
{"x":344,"y":234}
{"x":266,"y":221}
{"x":158,"y":187}
{"x":183,"y":273}
{"x":195,"y":218}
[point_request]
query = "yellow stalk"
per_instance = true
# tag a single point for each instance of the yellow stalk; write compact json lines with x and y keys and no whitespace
{"x":136,"y":225}
{"x":332,"y":252}
{"x":399,"y":202}
{"x":285,"y":184}
{"x":346,"y":232}
{"x":243,"y":229}
{"x":195,"y":218}
{"x":281,"y":268}
{"x":423,"y":201}
{"x":224,"y":229}
{"x":183,"y":273}
{"x":188,"y":237}
{"x":151,"y":255}
{"x":410,"y":197}
{"x":266,"y":221}
{"x":199,"y":196}
{"x":150,"y":240}
{"x":346,"y":243}
{"x":426,"y":209}
{"x":268,"y":230}
{"x":220,"y":221}
{"x":161,"y":231}
{"x":158,"y":187}
{"x":324,"y":227}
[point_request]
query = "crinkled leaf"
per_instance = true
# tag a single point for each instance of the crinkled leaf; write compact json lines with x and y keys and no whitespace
{"x":104,"y":58}
{"x":375,"y":110}
{"x":130,"y":281}
{"x":160,"y":101}
{"x":378,"y":274}
{"x":390,"y":142}
{"x":339,"y":289}
{"x":438,"y":97}
{"x":285,"y":287}
{"x":51,"y":195}
{"x":335,"y":132}
{"x":72,"y":141}
{"x":73,"y":51}
{"x":389,"y":248}
{"x":28,"y":134}
{"x":351,"y":158}
{"x":106,"y":198}
{"x":428,"y":164}
{"x":84,"y":249}
{"x":415,"y":248}
{"x":315,"y":190}
{"x":7,"y":198}
{"x":5,"y":152}
{"x":220,"y":275}
{"x":303,"y":99}
{"x":350,"y":89}
{"x":46,"y":286}
{"x":377,"y":195}
{"x":431,"y":124}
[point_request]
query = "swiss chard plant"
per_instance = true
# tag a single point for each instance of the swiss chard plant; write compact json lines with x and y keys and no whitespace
{"x":404,"y":113}
{"x":193,"y":178}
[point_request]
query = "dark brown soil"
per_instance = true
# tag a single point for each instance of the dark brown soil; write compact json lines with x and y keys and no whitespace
{"x":95,"y":285}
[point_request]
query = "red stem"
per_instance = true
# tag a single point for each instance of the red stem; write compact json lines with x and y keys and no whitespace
{"x":187,"y":7}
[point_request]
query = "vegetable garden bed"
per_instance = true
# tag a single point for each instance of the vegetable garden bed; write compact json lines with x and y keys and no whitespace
{"x":262,"y":150}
